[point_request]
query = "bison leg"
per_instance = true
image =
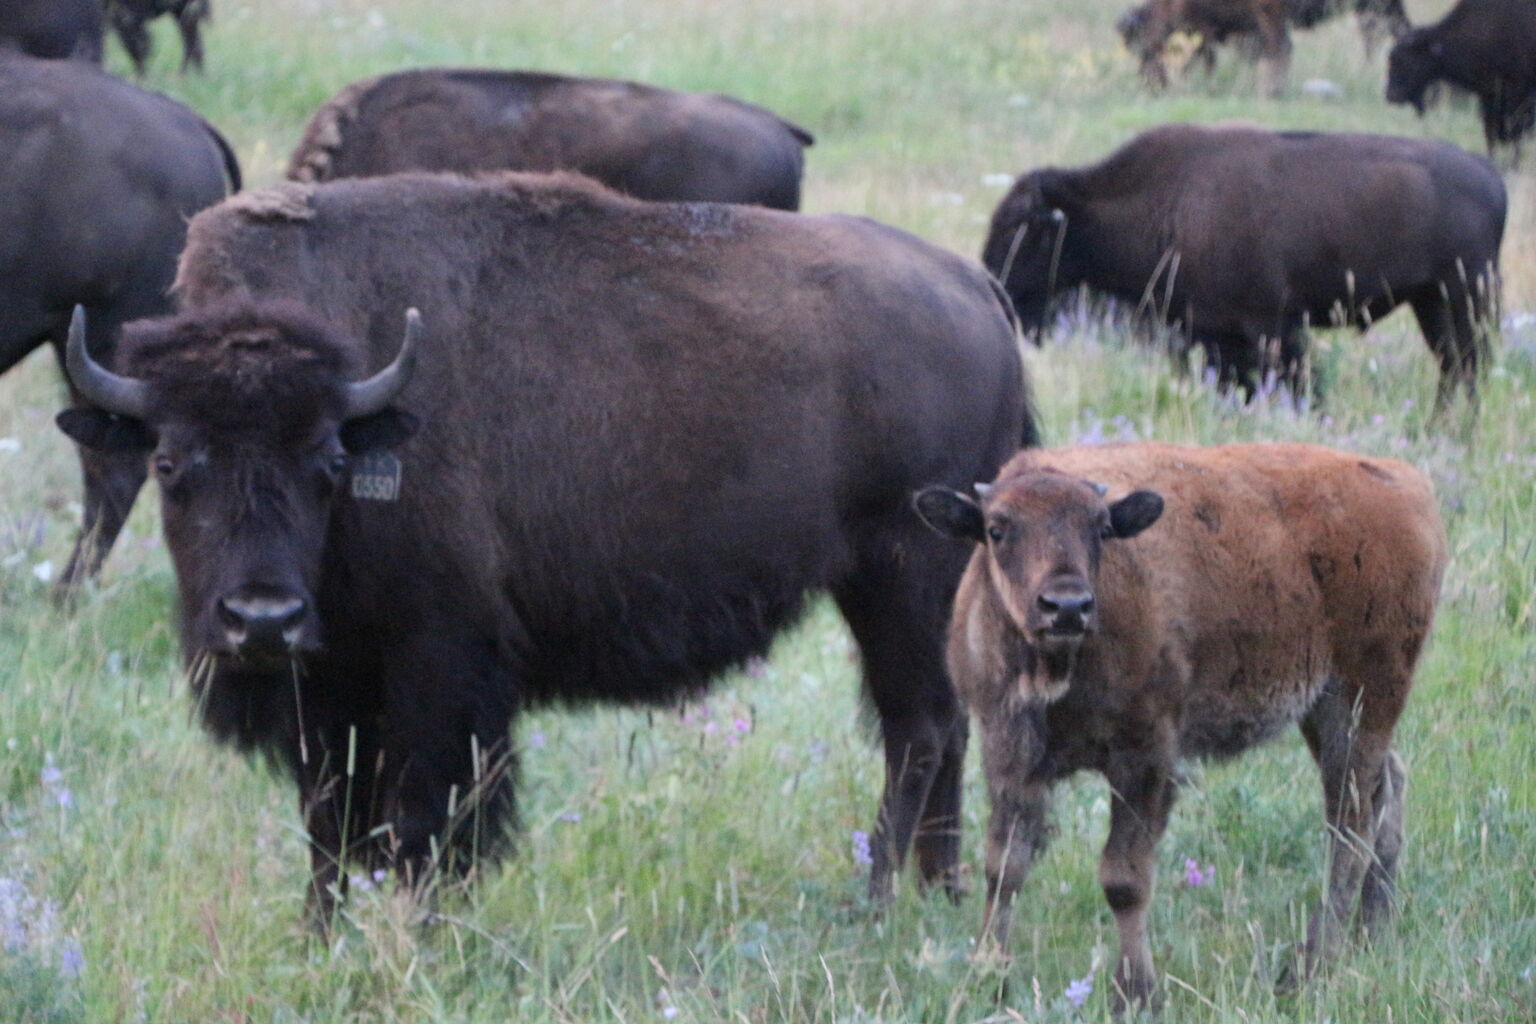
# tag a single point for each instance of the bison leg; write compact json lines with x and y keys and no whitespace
{"x":1142,"y":791}
{"x":444,"y":776}
{"x":897,"y":609}
{"x":189,"y":20}
{"x":1016,"y":831}
{"x":1275,"y":63}
{"x":1350,"y":737}
{"x":1454,"y":322}
{"x":1378,"y":894}
{"x":111,"y":479}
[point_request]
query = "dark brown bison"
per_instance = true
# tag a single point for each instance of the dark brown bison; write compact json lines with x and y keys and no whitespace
{"x":1487,"y":47}
{"x":1245,"y":237}
{"x":1266,"y":584}
{"x":651,"y":143}
{"x":52,"y":29}
{"x":1263,"y":24}
{"x":130,"y":20}
{"x":638,"y":434}
{"x":100,"y":178}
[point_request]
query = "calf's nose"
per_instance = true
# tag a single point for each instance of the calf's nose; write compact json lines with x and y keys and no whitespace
{"x":1066,"y":610}
{"x":261,"y":623}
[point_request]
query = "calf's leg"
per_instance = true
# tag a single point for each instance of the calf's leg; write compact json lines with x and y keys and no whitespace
{"x":1142,"y":791}
{"x":1349,"y":731}
{"x":1017,"y":830}
{"x":1378,"y":895}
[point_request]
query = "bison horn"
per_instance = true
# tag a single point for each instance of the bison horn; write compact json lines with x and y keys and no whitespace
{"x":367,"y":397}
{"x":99,"y":385}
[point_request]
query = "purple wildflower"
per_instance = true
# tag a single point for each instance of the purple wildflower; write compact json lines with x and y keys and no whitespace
{"x":71,"y":959}
{"x":1194,"y":876}
{"x":757,"y":667}
{"x":571,"y":817}
{"x":537,"y":740}
{"x":1079,"y":990}
{"x":861,"y":855}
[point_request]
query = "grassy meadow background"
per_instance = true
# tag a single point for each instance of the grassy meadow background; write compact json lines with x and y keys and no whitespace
{"x":700,"y":865}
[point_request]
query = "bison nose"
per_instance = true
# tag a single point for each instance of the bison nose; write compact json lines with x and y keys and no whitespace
{"x":1066,"y":611}
{"x":262,"y":623}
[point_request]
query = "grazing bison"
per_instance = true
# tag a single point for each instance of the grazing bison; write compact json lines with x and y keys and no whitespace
{"x":1273,"y":584}
{"x":642,"y":431}
{"x":100,"y":178}
{"x":130,"y":20}
{"x":1147,"y":28}
{"x":1487,"y":47}
{"x":52,"y":29}
{"x":1245,"y":237}
{"x":651,"y":143}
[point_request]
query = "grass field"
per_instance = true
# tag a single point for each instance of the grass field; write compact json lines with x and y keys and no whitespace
{"x":702,"y":866}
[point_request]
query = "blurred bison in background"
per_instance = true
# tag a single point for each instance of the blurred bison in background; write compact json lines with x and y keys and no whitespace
{"x":1245,"y":237}
{"x":130,"y":20}
{"x":642,"y":432}
{"x":1261,"y":24}
{"x":100,"y":178}
{"x":1487,"y":47}
{"x":52,"y":29}
{"x":651,"y":143}
{"x":1129,"y":606}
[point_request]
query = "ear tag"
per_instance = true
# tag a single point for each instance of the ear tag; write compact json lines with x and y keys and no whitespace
{"x":376,"y":477}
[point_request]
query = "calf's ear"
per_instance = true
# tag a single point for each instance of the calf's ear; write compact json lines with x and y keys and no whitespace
{"x":950,"y":513}
{"x":1134,"y":513}
{"x":104,"y":431}
{"x":381,"y":430}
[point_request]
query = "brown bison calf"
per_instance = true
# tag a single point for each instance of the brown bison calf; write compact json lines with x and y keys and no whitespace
{"x":1274,"y":584}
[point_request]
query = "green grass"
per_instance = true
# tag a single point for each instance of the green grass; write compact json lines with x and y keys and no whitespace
{"x":662,"y":864}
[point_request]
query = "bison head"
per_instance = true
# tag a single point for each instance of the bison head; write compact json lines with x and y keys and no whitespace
{"x":1025,"y":249}
{"x":1412,"y":66}
{"x":1042,"y":535}
{"x":248,"y":419}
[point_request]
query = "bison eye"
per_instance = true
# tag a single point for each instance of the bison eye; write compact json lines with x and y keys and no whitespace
{"x":165,"y":466}
{"x":338,"y":463}
{"x":996,"y":533}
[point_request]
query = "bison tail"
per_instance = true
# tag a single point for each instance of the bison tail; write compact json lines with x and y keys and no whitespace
{"x":231,"y":162}
{"x":802,"y":136}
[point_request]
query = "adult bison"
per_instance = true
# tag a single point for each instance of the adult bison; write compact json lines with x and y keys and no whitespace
{"x":52,"y":29}
{"x":1487,"y":47}
{"x":641,"y":433}
{"x":1273,"y":584}
{"x":1245,"y":237}
{"x":651,"y":143}
{"x":100,"y":179}
{"x":1264,"y":24}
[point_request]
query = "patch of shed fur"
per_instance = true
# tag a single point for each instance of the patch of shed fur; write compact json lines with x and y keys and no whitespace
{"x":315,"y":154}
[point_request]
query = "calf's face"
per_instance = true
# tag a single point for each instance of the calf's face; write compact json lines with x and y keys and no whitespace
{"x":249,"y":451}
{"x":1041,"y":536}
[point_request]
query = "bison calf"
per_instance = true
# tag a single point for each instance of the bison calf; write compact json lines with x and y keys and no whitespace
{"x":1273,"y":584}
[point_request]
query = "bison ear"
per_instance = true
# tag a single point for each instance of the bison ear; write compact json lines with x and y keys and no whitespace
{"x":1134,"y":513}
{"x":104,"y":431}
{"x":950,"y":513}
{"x":380,"y":431}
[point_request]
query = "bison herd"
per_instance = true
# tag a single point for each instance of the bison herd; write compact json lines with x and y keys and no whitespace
{"x":529,"y":389}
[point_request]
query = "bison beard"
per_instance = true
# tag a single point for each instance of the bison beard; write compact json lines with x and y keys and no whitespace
{"x":624,"y":482}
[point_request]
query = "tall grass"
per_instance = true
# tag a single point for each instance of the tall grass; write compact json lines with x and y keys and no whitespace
{"x":700,"y":865}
